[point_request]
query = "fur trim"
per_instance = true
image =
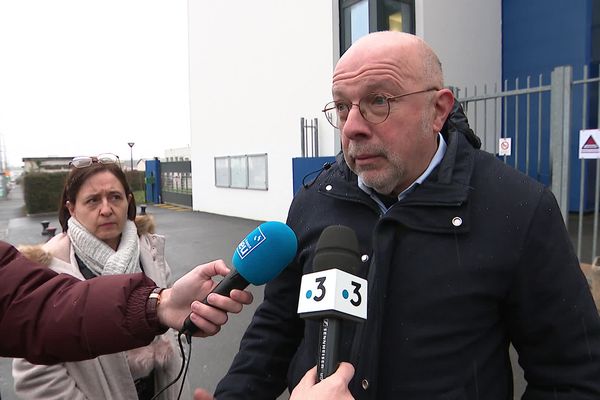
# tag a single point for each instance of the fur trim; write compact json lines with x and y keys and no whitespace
{"x":36,"y":254}
{"x":156,"y":355}
{"x":145,"y":224}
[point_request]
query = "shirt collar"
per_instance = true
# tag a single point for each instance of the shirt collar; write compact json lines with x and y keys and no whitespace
{"x":435,"y":161}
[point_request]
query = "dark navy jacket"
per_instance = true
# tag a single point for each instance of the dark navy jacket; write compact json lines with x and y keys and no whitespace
{"x":475,"y":258}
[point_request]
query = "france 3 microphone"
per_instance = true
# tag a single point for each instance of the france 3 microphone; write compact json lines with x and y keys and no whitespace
{"x":259,"y":257}
{"x":333,"y":292}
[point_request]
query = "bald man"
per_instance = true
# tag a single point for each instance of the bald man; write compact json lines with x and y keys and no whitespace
{"x":463,"y":254}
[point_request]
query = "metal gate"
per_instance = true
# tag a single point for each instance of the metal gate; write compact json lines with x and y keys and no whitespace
{"x":543,"y":121}
{"x":176,"y":182}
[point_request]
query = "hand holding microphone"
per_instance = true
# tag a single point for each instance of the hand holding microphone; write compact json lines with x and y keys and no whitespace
{"x":332,"y":387}
{"x":175,"y":302}
{"x":258,"y":258}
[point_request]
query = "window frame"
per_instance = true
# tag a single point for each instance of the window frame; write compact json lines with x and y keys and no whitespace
{"x":242,"y":178}
{"x":377,"y":18}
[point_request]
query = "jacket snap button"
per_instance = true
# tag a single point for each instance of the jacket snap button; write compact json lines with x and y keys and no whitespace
{"x":457,"y":221}
{"x":328,"y":187}
{"x":365,"y":384}
{"x":364,"y":258}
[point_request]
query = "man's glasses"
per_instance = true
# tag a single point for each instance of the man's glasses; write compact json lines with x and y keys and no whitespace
{"x":106,"y":158}
{"x":374,"y":108}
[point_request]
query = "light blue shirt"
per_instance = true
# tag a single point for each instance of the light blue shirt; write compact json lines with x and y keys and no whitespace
{"x":437,"y":158}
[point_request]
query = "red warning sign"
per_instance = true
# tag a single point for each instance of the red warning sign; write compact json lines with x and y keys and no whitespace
{"x":590,"y":146}
{"x":588,"y":143}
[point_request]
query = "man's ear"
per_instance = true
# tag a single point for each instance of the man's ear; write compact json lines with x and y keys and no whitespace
{"x":444,"y":100}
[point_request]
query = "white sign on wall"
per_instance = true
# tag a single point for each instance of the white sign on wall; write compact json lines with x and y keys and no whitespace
{"x":504,"y":146}
{"x":589,"y":143}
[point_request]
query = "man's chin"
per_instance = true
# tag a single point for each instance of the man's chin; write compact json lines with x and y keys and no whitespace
{"x":371,"y":180}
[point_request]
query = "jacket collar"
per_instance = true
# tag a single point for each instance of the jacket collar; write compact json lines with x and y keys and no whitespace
{"x":439,"y":204}
{"x":448,"y":184}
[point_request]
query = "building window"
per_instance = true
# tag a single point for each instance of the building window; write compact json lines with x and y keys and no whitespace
{"x":222,"y":169}
{"x":397,"y":15}
{"x":238,"y":171}
{"x":355,"y":21}
{"x":359,"y":17}
{"x":242,"y":172}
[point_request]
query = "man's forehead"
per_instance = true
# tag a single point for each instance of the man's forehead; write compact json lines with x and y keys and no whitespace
{"x":372,"y":77}
{"x":381,"y":50}
{"x":371,"y":85}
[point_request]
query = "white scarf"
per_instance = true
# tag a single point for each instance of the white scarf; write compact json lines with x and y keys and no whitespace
{"x":99,"y":257}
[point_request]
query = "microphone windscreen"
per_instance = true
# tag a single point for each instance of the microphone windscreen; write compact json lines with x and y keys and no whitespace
{"x":337,"y":247}
{"x":265,"y":252}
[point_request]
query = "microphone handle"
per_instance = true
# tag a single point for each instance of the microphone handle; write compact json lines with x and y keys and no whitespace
{"x":329,"y":338}
{"x":232,"y":281}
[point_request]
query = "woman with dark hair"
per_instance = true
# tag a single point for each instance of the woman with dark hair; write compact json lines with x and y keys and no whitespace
{"x":82,"y":169}
{"x":102,"y":236}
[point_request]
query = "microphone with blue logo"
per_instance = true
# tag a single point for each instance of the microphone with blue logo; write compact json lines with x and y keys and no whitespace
{"x":259,"y":257}
{"x":333,"y":292}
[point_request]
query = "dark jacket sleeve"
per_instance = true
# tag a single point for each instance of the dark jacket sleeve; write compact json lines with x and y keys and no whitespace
{"x":49,"y":318}
{"x":553,"y":322}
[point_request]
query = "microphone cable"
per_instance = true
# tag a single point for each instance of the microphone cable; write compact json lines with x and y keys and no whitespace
{"x":187,"y":365}
{"x":183,"y":364}
{"x":282,"y":238}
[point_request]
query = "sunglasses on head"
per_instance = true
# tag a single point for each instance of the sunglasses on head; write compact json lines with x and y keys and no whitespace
{"x":84,"y":161}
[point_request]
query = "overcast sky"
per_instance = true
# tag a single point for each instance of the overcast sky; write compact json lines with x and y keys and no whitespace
{"x":82,"y":77}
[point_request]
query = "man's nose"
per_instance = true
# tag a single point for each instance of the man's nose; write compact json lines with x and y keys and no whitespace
{"x":356,"y":124}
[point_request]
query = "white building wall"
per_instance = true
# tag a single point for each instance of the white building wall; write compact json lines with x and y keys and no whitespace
{"x":256,"y":68}
{"x":467,"y":37}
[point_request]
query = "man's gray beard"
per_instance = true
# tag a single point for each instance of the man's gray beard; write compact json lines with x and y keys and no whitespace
{"x":384,"y":188}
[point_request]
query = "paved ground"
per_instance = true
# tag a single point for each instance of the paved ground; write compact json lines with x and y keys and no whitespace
{"x":192,"y":238}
